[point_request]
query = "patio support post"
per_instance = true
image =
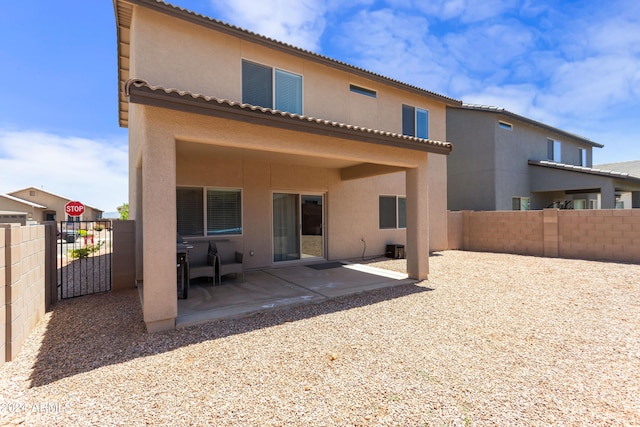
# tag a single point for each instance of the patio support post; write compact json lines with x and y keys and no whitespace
{"x":160,"y":305}
{"x":608,"y":197}
{"x":417,"y":250}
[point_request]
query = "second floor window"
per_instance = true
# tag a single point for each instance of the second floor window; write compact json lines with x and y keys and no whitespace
{"x":553,"y":150}
{"x":583,"y":157}
{"x":415,"y":121}
{"x":271,"y":88}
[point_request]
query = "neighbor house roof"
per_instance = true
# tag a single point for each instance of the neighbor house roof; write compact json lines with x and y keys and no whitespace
{"x":581,"y":169}
{"x":631,"y":167}
{"x":124,"y":13}
{"x":141,"y":92}
{"x":498,"y":110}
{"x":52,"y":194}
{"x":25,"y":202}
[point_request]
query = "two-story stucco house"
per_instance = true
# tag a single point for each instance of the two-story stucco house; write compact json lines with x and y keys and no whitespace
{"x":291,"y":155}
{"x":504,"y":161}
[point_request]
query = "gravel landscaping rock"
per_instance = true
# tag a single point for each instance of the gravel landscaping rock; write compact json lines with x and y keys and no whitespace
{"x":489,"y":339}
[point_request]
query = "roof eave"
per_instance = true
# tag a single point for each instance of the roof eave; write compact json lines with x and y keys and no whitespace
{"x":536,"y":123}
{"x":142,"y":93}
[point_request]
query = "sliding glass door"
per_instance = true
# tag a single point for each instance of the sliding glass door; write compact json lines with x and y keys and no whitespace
{"x":297,"y":226}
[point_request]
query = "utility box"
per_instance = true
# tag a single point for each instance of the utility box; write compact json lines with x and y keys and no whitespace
{"x":395,"y":251}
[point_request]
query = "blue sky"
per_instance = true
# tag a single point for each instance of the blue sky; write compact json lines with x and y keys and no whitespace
{"x":573,"y":64}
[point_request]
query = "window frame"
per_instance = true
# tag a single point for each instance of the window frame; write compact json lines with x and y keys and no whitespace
{"x":203,"y":228}
{"x":520,"y":205}
{"x":400,"y":223}
{"x":274,"y":86}
{"x":554,"y":150}
{"x":362,"y":90}
{"x":414,"y":121}
{"x":582,"y":153}
{"x":505,"y":125}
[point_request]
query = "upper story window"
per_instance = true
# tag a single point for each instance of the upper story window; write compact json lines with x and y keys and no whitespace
{"x":553,"y":150}
{"x":271,"y":88}
{"x":583,"y":157}
{"x":363,"y":91}
{"x":505,"y":125}
{"x":415,"y":121}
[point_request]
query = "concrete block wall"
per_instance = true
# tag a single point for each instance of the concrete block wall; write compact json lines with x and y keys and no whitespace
{"x":609,"y":235}
{"x":504,"y":231}
{"x":22,"y":287}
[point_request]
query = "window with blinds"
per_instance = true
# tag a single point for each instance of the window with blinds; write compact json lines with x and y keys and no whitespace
{"x":218,"y":211}
{"x":288,"y":92}
{"x":224,"y":212}
{"x":189,"y":210}
{"x":271,"y":88}
{"x":257,"y":85}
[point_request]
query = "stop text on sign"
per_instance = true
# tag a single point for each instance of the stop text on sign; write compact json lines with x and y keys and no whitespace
{"x":74,"y":208}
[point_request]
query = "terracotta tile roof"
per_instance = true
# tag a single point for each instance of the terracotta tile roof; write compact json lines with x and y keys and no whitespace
{"x":582,"y":169}
{"x":141,"y":87}
{"x":123,"y":18}
{"x":499,"y":110}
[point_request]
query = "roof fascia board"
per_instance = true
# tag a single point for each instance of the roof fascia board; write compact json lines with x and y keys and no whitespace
{"x":509,"y":114}
{"x":210,"y":23}
{"x":604,"y":174}
{"x":174,"y":101}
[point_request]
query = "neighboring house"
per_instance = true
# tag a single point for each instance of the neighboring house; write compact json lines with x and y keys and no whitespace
{"x":291,"y":155}
{"x":624,"y":200}
{"x":41,"y":206}
{"x":504,"y":161}
{"x":17,"y":210}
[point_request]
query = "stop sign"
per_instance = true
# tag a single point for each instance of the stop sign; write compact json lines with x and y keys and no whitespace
{"x":74,"y":208}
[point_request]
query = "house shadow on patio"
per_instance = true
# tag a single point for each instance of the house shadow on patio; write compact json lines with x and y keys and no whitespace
{"x":94,"y":331}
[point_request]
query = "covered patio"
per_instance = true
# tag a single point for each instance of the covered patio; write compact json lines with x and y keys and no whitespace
{"x":273,"y":288}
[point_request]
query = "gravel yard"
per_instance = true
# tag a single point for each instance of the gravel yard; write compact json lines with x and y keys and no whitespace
{"x":489,"y":340}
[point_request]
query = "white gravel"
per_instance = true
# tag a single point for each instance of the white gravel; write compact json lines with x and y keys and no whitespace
{"x":490,"y":339}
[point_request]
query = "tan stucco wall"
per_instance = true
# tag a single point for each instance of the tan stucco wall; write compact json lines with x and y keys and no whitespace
{"x":189,"y":57}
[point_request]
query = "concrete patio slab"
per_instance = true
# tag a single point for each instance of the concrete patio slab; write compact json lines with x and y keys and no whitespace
{"x":280,"y":287}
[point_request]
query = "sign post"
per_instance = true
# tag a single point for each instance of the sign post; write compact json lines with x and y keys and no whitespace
{"x":74,"y":208}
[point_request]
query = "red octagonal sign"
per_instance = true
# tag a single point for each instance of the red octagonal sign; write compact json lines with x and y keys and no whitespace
{"x":74,"y":208}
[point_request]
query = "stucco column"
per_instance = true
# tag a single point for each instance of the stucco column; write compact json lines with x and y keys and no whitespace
{"x":160,"y":300}
{"x":635,"y":199}
{"x":417,"y":249}
{"x":608,"y":197}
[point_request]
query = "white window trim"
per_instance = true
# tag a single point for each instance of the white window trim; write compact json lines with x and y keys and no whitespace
{"x":505,"y":125}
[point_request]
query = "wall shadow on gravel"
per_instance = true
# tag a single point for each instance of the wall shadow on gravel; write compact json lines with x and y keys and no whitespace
{"x":94,"y":331}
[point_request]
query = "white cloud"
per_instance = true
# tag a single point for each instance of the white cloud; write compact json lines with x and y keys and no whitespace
{"x":397,"y":45}
{"x":297,"y":22}
{"x":91,"y":171}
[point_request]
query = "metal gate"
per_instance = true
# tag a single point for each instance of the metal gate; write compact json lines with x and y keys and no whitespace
{"x":84,"y":258}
